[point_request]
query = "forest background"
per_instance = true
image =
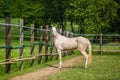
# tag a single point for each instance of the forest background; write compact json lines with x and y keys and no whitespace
{"x":91,"y":16}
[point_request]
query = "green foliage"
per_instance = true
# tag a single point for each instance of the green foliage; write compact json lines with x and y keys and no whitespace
{"x":102,"y":68}
{"x":30,"y":11}
{"x":92,"y":16}
{"x":1,"y":8}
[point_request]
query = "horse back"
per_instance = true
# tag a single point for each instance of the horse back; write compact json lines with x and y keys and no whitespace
{"x":65,"y":43}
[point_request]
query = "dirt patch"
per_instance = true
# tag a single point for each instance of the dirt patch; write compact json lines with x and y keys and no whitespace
{"x":51,"y":69}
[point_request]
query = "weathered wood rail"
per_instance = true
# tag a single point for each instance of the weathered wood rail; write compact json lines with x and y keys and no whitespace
{"x":46,"y":43}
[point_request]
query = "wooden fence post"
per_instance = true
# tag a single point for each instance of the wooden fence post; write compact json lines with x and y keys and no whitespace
{"x":51,"y":45}
{"x":46,"y":45}
{"x":71,"y":36}
{"x":61,"y":31}
{"x":67,"y":35}
{"x":40,"y":45}
{"x":8,"y":44}
{"x":32,"y":45}
{"x":101,"y":35}
{"x":21,"y":43}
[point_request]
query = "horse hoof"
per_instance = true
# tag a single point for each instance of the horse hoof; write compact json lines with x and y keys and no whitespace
{"x":85,"y":66}
{"x":59,"y":67}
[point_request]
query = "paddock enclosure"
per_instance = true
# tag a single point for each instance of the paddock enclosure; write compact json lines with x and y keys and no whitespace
{"x":20,"y":43}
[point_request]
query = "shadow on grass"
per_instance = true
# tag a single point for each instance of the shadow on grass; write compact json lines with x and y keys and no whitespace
{"x":64,"y":67}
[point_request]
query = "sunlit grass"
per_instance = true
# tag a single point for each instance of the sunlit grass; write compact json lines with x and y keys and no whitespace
{"x":103,"y":63}
{"x":104,"y":67}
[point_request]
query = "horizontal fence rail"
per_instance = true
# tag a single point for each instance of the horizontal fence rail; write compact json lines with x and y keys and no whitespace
{"x":104,"y":41}
{"x":39,"y":43}
{"x":40,"y":39}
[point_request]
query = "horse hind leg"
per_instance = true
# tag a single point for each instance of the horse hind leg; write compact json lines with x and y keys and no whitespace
{"x":86,"y":58}
{"x":82,"y":49}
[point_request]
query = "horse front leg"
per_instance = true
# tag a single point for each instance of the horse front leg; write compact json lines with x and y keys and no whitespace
{"x":60,"y":57}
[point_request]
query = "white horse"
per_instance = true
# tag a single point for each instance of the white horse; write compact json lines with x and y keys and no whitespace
{"x":63,"y":43}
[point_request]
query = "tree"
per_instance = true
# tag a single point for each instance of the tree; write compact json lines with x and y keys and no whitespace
{"x":93,"y":16}
{"x":29,"y":10}
{"x":54,"y":11}
{"x":1,"y":8}
{"x":116,"y":23}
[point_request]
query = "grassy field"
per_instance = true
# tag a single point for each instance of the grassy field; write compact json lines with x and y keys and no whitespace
{"x":104,"y":67}
{"x":16,"y":72}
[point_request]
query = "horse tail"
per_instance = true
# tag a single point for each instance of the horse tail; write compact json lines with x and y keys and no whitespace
{"x":89,"y":53}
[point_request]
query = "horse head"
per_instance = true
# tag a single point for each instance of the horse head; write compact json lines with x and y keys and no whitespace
{"x":54,"y":31}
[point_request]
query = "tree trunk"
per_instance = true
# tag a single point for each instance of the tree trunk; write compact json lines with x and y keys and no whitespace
{"x":71,"y":24}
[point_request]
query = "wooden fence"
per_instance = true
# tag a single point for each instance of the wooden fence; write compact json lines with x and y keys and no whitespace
{"x":45,"y":40}
{"x":103,"y":42}
{"x":47,"y":43}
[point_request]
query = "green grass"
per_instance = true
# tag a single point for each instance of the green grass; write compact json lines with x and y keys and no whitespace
{"x":68,"y":28}
{"x":104,"y":67}
{"x":16,"y":72}
{"x":13,"y":20}
{"x":15,"y":54}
